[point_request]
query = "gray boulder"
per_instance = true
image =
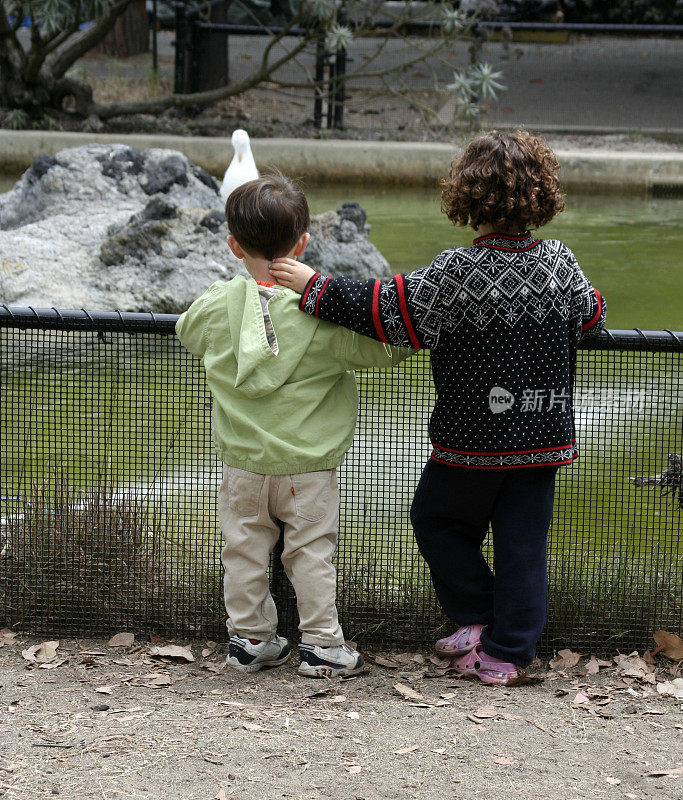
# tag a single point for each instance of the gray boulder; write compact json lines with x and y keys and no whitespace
{"x":110,"y":227}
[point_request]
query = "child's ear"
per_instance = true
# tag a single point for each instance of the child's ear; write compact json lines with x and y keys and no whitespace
{"x":233,"y":244}
{"x":301,"y":245}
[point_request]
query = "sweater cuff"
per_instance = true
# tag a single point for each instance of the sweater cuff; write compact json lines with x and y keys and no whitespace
{"x":310,"y":299}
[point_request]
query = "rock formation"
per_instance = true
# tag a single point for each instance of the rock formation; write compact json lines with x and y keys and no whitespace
{"x":109,"y":227}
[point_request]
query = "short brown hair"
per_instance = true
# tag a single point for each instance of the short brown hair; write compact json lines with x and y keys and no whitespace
{"x":507,"y":179}
{"x":268,"y":215}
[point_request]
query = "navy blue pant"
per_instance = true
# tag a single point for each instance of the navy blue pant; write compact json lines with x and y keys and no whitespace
{"x":451,"y":513}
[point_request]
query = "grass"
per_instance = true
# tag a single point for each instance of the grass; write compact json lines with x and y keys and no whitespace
{"x":107,"y":445}
{"x":100,"y":561}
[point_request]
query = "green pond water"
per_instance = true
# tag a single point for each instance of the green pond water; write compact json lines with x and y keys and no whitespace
{"x":126,"y":418}
{"x":630,"y":248}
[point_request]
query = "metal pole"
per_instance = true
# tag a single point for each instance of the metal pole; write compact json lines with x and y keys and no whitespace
{"x":155,"y":24}
{"x":339,"y":94}
{"x":180,"y":45}
{"x":319,"y":79}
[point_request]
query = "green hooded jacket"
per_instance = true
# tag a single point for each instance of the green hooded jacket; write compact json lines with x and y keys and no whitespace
{"x":284,"y":409}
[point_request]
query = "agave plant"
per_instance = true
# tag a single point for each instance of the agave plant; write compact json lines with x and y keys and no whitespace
{"x":339,"y":37}
{"x":478,"y":82}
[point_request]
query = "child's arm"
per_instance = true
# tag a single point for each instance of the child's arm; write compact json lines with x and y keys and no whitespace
{"x":191,"y":327}
{"x":406,"y":311}
{"x":588,"y":306}
{"x":358,"y":351}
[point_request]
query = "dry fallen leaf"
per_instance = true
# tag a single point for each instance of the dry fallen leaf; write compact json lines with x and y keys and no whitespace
{"x":353,"y":715}
{"x":593,"y":666}
{"x":251,"y":726}
{"x":404,"y":750}
{"x":154,"y":680}
{"x":502,"y":760}
{"x":354,"y":770}
{"x":103,"y":689}
{"x":381,"y":661}
{"x":209,"y":649}
{"x":672,"y":688}
{"x":668,"y":644}
{"x":633,"y":666}
{"x":41,"y":653}
{"x":486,"y":712}
{"x":580,"y":699}
{"x":525,"y":679}
{"x":661,"y":773}
{"x":172,"y":651}
{"x":407,"y":692}
{"x":612,"y":781}
{"x":221,"y":795}
{"x":122,"y":640}
{"x":7,"y":636}
{"x":565,"y":659}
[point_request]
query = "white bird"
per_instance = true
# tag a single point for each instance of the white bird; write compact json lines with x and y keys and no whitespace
{"x":242,"y":167}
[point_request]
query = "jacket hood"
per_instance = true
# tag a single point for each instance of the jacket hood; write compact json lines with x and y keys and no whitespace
{"x":259,"y":369}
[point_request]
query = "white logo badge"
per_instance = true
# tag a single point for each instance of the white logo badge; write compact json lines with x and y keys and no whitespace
{"x":500,"y":400}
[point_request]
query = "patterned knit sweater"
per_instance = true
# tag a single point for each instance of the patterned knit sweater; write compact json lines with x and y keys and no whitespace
{"x":503,"y":319}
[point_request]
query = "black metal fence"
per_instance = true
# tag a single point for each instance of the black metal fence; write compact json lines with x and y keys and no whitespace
{"x":559,"y":76}
{"x":108,"y":488}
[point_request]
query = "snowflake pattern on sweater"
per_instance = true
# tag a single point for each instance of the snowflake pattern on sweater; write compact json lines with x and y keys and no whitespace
{"x":503,"y":319}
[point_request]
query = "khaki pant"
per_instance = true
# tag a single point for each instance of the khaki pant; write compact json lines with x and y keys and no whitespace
{"x":249,"y":507}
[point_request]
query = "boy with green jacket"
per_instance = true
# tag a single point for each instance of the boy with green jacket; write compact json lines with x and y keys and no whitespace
{"x":284,"y":413}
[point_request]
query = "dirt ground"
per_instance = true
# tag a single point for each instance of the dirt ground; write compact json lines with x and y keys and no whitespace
{"x":95,"y":721}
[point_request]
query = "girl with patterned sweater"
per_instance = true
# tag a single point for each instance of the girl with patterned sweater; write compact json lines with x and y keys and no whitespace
{"x":502,"y":319}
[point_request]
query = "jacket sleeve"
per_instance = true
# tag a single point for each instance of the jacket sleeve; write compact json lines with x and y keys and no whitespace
{"x":191,"y":328}
{"x":406,"y":311}
{"x":358,"y":351}
{"x":588,"y":306}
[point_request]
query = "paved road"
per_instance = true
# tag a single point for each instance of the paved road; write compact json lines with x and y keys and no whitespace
{"x":603,"y":82}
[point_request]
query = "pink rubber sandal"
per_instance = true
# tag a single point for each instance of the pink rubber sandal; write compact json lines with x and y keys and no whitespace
{"x":462,"y":641}
{"x":485,"y":667}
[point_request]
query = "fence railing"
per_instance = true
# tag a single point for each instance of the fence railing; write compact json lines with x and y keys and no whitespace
{"x":108,"y":485}
{"x":337,"y":80}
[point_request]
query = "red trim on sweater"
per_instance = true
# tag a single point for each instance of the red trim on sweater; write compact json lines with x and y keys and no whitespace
{"x":404,"y":311}
{"x":515,"y":237}
{"x":267,"y":284}
{"x":307,"y":290}
{"x":511,"y":466}
{"x":317,"y":302}
{"x":503,"y":452}
{"x":375,"y":313}
{"x":592,"y":322}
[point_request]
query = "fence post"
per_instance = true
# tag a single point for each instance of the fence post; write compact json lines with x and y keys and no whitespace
{"x":180,"y":47}
{"x":319,"y":80}
{"x":339,"y":93}
{"x":210,"y":51}
{"x":155,"y":49}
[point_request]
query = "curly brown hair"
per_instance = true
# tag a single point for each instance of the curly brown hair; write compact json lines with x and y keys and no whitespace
{"x":506,"y":179}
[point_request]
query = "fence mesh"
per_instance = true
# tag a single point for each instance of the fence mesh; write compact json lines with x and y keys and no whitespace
{"x":109,"y":484}
{"x":607,"y":83}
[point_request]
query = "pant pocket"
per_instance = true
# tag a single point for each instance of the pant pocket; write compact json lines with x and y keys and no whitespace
{"x":312,"y":494}
{"x":244,"y":491}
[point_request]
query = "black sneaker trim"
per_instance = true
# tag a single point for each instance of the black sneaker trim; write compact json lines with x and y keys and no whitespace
{"x":238,"y":652}
{"x":315,"y":661}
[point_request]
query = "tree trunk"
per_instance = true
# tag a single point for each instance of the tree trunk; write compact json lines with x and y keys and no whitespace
{"x":130,"y":34}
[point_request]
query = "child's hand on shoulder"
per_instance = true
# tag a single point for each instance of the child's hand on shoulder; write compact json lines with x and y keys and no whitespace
{"x":291,"y":273}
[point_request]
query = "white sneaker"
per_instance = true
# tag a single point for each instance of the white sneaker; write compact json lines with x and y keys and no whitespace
{"x":328,"y":662}
{"x":250,"y":655}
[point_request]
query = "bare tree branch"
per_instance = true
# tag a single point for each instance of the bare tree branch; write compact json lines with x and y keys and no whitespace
{"x":160,"y":104}
{"x":64,"y":58}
